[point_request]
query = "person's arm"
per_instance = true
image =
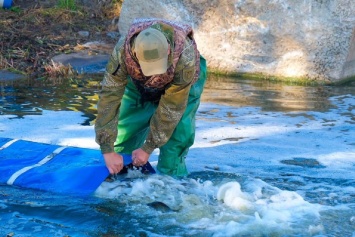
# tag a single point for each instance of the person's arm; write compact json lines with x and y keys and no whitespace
{"x":173,"y":103}
{"x":110,"y":96}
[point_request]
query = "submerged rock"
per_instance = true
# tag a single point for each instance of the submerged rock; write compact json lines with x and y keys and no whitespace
{"x":304,"y":162}
{"x":163,"y":207}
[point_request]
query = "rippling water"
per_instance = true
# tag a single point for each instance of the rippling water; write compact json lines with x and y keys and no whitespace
{"x":277,"y":202}
{"x":31,"y":97}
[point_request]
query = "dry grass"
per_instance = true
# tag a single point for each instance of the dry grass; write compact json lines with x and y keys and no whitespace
{"x":39,"y":30}
{"x":58,"y":70}
{"x":4,"y":63}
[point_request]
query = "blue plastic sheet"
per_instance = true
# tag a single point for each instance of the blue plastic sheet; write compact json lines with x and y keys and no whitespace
{"x":6,"y":4}
{"x":51,"y":167}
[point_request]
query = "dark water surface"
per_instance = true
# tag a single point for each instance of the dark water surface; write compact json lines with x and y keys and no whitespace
{"x":26,"y":212}
{"x":25,"y":97}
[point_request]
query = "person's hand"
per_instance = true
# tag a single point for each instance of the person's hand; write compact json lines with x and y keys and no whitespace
{"x":114,"y":162}
{"x":139,"y":157}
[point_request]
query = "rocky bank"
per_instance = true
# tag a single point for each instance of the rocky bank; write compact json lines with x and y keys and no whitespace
{"x":313,"y":39}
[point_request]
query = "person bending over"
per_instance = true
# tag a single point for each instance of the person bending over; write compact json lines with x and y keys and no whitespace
{"x":149,"y":97}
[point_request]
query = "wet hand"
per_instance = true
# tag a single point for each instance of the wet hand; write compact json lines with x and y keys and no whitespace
{"x":139,"y":157}
{"x":114,"y":162}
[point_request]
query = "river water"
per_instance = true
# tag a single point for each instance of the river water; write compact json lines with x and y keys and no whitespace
{"x":291,"y":197}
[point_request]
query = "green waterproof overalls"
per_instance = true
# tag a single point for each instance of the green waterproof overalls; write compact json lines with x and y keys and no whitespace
{"x":172,"y":154}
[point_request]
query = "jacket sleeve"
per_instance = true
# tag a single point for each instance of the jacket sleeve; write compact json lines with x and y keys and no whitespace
{"x":110,"y":96}
{"x":172,"y":104}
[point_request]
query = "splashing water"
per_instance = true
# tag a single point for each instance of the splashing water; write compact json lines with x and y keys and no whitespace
{"x":243,"y":206}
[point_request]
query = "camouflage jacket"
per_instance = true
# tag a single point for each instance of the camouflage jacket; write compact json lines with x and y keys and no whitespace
{"x":182,"y":73}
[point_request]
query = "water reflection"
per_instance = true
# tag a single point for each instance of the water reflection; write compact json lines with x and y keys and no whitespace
{"x":30,"y":97}
{"x":269,"y":95}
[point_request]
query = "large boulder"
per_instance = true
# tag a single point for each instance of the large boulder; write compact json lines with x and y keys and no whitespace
{"x":312,"y":39}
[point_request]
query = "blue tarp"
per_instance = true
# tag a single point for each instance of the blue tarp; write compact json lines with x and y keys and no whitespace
{"x":51,"y":167}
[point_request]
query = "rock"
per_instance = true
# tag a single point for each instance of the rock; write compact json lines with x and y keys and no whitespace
{"x":84,"y":33}
{"x":284,"y":38}
{"x":113,"y":35}
{"x":10,"y":76}
{"x":83,"y":62}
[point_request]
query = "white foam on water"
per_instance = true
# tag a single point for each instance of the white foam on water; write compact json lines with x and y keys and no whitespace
{"x":231,"y":194}
{"x":342,"y":159}
{"x":226,"y":209}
